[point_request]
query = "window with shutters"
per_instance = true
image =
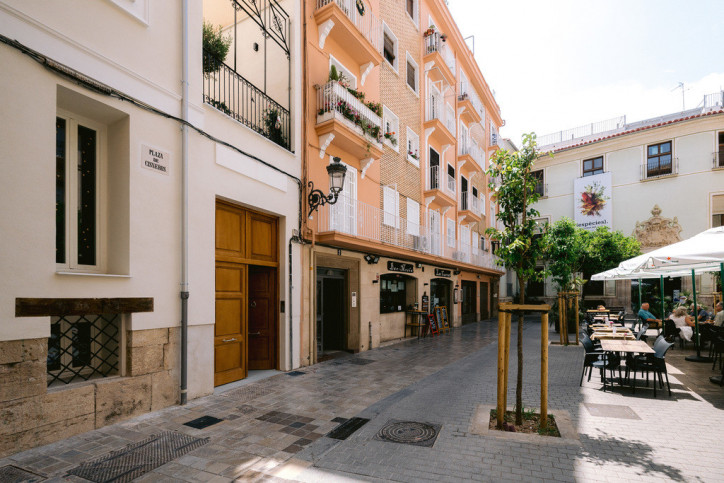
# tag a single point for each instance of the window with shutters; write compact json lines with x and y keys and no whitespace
{"x":412,"y":11}
{"x":390,"y":128}
{"x":412,"y":74}
{"x":391,"y":202}
{"x":389,"y":46}
{"x":719,"y":154}
{"x":451,"y":233}
{"x":413,"y":147}
{"x":717,"y":210}
{"x":413,"y":217}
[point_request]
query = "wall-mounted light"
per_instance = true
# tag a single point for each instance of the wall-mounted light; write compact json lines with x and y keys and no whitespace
{"x":256,"y":47}
{"x":371,"y":259}
{"x":418,"y":265}
{"x":456,"y":272}
{"x":337,"y":172}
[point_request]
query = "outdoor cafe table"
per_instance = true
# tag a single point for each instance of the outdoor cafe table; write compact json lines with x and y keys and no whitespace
{"x":605,"y":334}
{"x":627,"y":346}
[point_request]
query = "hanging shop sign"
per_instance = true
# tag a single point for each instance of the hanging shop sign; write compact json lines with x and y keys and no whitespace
{"x":400,"y":267}
{"x":592,"y":201}
{"x":439,"y":272}
{"x":155,"y":159}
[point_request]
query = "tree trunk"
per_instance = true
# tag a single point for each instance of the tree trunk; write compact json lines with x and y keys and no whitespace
{"x":519,"y":379}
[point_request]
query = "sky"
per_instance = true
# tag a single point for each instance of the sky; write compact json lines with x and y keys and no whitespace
{"x":558,"y":64}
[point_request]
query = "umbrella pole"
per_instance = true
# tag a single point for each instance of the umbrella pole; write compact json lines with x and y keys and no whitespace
{"x":697,"y":357}
{"x":639,"y":306}
{"x":721,"y":278}
{"x":663,"y":306}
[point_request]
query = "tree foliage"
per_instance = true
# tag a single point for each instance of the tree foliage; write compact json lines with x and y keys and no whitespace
{"x":605,"y":249}
{"x":513,"y":188}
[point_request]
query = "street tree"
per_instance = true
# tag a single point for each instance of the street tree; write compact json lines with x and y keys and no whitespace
{"x":519,"y":246}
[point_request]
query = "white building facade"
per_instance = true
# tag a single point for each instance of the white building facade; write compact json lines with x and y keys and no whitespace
{"x":101,"y":247}
{"x":660,"y":180}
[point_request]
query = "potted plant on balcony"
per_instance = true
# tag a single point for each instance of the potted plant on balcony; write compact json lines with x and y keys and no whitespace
{"x":390,"y":136}
{"x":414,"y":155}
{"x":430,"y":30}
{"x":216,"y":47}
{"x":443,"y":37}
{"x":273,"y":127}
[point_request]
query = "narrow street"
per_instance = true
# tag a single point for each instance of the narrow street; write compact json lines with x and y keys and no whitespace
{"x":276,"y":428}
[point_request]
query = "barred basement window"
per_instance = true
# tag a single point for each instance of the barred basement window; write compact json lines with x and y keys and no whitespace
{"x":83,"y":347}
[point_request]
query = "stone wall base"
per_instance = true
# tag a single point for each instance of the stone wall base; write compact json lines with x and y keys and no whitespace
{"x":32,"y":415}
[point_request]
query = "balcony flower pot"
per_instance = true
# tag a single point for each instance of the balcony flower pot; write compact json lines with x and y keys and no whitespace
{"x":215,"y":46}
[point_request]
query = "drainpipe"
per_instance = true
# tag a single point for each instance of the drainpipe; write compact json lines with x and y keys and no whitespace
{"x":184,"y":200}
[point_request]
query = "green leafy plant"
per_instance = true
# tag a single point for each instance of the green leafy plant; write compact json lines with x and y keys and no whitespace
{"x":520,"y":245}
{"x":219,"y":105}
{"x":273,"y":127}
{"x":216,"y":47}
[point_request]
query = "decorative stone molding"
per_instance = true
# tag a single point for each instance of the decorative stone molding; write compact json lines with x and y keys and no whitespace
{"x":428,"y":200}
{"x":366,"y":163}
{"x":324,"y":30}
{"x":324,"y":141}
{"x":364,"y":71}
{"x":657,"y":231}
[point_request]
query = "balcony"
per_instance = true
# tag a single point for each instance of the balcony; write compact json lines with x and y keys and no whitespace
{"x":664,"y":167}
{"x":440,"y":117}
{"x":346,"y":122}
{"x":359,"y":35}
{"x":229,"y":92}
{"x":468,"y":100}
{"x":718,"y":160}
{"x":437,"y":52}
{"x":357,"y":225}
{"x":469,"y":207}
{"x":441,"y":190}
{"x":494,"y":137}
{"x":471,"y":157}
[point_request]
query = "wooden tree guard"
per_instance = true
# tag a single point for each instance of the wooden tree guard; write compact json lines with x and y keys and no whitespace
{"x":505,"y":313}
{"x":567,"y":300}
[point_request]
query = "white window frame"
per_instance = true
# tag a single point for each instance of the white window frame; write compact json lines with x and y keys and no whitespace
{"x":413,"y":217}
{"x":395,"y":64}
{"x":72,"y":122}
{"x":392,"y":122}
{"x":413,"y":145}
{"x":341,"y":67}
{"x":409,"y":60}
{"x":415,"y":17}
{"x":450,"y":223}
{"x":391,"y":206}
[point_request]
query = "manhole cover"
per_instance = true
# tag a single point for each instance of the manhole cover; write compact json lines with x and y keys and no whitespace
{"x":139,"y":458}
{"x":409,"y":432}
{"x":203,"y":422}
{"x":611,"y":411}
{"x":13,"y":474}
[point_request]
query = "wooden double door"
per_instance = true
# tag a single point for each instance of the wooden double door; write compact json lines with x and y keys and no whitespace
{"x":246,"y":334}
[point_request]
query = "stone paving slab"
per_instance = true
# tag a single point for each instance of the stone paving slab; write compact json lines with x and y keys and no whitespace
{"x":274,"y":429}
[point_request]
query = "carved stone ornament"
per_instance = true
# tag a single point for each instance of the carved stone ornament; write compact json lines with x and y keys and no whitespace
{"x":657,"y":231}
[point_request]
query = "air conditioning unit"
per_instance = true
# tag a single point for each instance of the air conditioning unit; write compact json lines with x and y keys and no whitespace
{"x":420,"y":243}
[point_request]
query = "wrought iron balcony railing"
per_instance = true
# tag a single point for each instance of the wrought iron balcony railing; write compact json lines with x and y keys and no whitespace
{"x":434,"y":43}
{"x":335,"y":101}
{"x":368,"y":24}
{"x":370,"y":223}
{"x":467,"y":92}
{"x":718,"y":159}
{"x":229,"y":92}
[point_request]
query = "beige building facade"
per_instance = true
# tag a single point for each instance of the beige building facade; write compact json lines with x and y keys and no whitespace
{"x":667,"y":184}
{"x":140,"y":228}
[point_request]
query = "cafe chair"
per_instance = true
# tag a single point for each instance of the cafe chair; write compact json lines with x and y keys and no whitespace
{"x":716,"y":350}
{"x":655,"y":363}
{"x":671,"y":330}
{"x":641,"y":334}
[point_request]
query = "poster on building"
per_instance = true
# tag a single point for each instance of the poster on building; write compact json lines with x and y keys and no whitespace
{"x":592,"y":201}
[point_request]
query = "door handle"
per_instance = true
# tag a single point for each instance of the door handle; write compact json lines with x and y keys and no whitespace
{"x":253,"y":303}
{"x":255,"y":333}
{"x":228,"y":340}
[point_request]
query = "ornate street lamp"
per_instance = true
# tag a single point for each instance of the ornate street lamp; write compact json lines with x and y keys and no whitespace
{"x":337,"y":172}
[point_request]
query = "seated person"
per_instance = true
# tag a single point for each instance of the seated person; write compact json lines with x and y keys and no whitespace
{"x":601,"y":307}
{"x":719,"y":317}
{"x":648,"y":317}
{"x":683,"y":322}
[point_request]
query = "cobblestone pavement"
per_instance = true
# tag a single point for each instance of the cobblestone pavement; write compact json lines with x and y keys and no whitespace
{"x":275,"y":429}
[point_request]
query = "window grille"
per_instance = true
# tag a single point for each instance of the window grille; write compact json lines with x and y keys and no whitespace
{"x":83,"y":347}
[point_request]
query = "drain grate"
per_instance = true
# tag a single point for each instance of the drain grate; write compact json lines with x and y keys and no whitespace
{"x":203,"y":422}
{"x":13,"y":474}
{"x":409,"y":432}
{"x":295,"y":373}
{"x":611,"y":411}
{"x":345,"y":430}
{"x":139,"y":458}
{"x":357,"y":361}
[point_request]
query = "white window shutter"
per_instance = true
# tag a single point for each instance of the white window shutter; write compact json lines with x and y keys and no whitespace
{"x":450,"y":232}
{"x":413,"y":217}
{"x":389,"y":205}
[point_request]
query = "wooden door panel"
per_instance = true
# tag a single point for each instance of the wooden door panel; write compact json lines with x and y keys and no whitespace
{"x":263,"y":238}
{"x":229,"y":279}
{"x":262,"y":318}
{"x":227,"y":356}
{"x":230,"y":231}
{"x":229,"y":314}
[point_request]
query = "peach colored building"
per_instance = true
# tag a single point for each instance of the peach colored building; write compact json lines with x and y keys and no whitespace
{"x":392,"y":89}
